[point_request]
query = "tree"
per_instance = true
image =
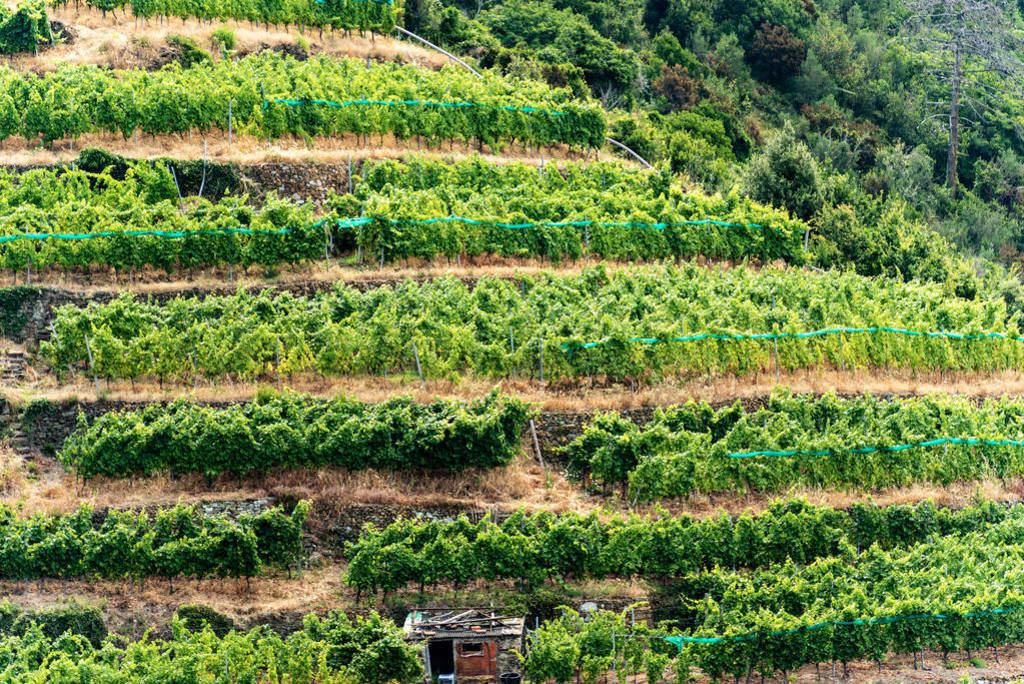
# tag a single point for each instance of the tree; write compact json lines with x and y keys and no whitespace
{"x":973,"y":47}
{"x":785,"y":175}
{"x":776,"y":54}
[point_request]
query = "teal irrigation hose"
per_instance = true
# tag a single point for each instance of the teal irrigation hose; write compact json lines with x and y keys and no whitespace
{"x":175,"y":235}
{"x":362,"y":221}
{"x":409,"y":103}
{"x":795,"y":335}
{"x":869,"y":450}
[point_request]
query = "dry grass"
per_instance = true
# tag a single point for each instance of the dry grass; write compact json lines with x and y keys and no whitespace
{"x":956,"y":495}
{"x":154,"y":601}
{"x":119,"y":41}
{"x":274,"y":599}
{"x":102,"y":279}
{"x":564,"y":397}
{"x":246,"y":149}
{"x":522,"y":484}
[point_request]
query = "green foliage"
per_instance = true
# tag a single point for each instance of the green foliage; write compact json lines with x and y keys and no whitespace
{"x":189,"y":54}
{"x":884,"y":600}
{"x":23,"y":30}
{"x":259,"y":655}
{"x":224,"y":37}
{"x":785,"y":175}
{"x":687,"y":449}
{"x":145,"y":199}
{"x":195,"y":617}
{"x":882,"y":240}
{"x":575,"y":546}
{"x":371,"y":649}
{"x":298,"y":431}
{"x":74,"y":100}
{"x":350,"y":15}
{"x":583,"y":646}
{"x":13,"y":317}
{"x":217,"y":179}
{"x":643,"y":216}
{"x":462,"y":330}
{"x":71,"y":618}
{"x":170,"y":543}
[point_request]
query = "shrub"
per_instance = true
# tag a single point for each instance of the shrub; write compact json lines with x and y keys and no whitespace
{"x":189,"y":54}
{"x":196,"y":616}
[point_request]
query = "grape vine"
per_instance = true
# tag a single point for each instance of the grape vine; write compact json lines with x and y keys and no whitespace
{"x":499,"y":327}
{"x":73,"y":100}
{"x":332,"y":649}
{"x":864,"y":442}
{"x":545,"y":546}
{"x":171,"y":543}
{"x":292,"y":431}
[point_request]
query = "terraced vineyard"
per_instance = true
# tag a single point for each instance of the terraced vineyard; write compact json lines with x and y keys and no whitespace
{"x":262,"y":405}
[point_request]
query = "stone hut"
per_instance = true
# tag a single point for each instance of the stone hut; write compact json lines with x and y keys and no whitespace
{"x":473,"y":644}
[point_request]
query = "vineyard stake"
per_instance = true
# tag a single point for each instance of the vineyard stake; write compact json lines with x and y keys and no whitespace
{"x":277,"y":352}
{"x":775,"y":347}
{"x":92,"y":367}
{"x":181,"y":202}
{"x":942,"y":369}
{"x":327,"y":239}
{"x":230,"y":122}
{"x":842,"y":351}
{"x":350,"y":174}
{"x":71,"y":133}
{"x":542,"y":363}
{"x":512,"y":344}
{"x":202,"y":183}
{"x":614,"y":676}
{"x":536,"y":444}
{"x":135,"y":131}
{"x":419,"y":370}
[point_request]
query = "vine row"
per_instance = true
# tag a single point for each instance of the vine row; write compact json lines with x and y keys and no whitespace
{"x":292,"y":430}
{"x":864,"y":443}
{"x":532,"y":328}
{"x":534,"y":548}
{"x":171,"y":543}
{"x":74,"y":100}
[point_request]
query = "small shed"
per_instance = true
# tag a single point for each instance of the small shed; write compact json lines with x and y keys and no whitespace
{"x":471,"y":643}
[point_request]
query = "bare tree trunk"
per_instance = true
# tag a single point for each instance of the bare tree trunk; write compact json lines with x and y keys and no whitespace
{"x":954,"y":121}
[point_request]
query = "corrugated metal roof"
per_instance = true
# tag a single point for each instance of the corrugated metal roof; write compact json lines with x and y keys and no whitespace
{"x":448,"y":623}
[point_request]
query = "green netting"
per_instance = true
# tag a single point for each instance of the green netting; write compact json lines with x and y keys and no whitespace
{"x":362,"y":221}
{"x":796,"y":335}
{"x":680,"y":640}
{"x":175,"y":235}
{"x":379,"y":2}
{"x":869,"y":450}
{"x":411,"y":103}
{"x":580,"y":224}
